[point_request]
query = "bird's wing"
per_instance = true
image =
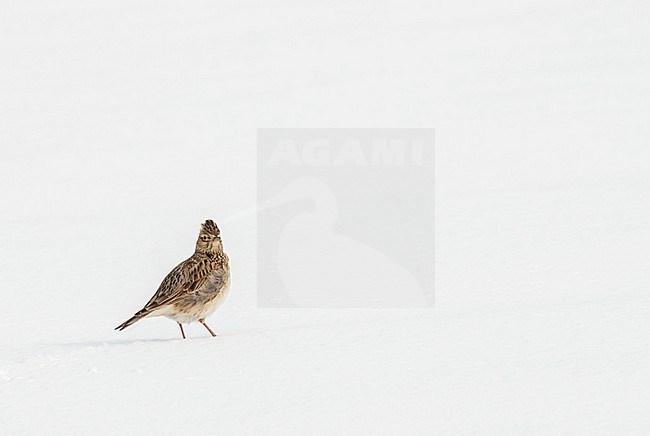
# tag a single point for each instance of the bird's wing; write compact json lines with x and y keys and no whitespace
{"x":186,"y":277}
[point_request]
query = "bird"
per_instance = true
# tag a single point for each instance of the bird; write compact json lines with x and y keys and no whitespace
{"x":195,"y":288}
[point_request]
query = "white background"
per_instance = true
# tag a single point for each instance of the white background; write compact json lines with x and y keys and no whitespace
{"x":123,"y":125}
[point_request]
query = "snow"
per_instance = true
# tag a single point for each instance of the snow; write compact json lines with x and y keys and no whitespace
{"x":278,"y":372}
{"x":123,"y":125}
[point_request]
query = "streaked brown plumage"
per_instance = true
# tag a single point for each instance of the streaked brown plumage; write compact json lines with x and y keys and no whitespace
{"x":195,"y":288}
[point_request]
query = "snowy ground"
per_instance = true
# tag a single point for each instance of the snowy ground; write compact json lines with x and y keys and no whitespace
{"x":123,"y":125}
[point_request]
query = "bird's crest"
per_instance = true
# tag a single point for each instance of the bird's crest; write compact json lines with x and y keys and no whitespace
{"x":210,"y":227}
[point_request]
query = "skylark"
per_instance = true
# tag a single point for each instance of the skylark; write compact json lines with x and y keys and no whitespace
{"x":195,"y":288}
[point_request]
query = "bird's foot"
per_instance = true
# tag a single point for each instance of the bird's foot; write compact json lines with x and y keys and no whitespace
{"x":202,"y":321}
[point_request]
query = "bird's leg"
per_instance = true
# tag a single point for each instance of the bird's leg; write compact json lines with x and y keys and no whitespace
{"x":202,"y":321}
{"x":182,"y":332}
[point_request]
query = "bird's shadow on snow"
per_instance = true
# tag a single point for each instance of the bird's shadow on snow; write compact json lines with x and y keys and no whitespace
{"x":108,"y":343}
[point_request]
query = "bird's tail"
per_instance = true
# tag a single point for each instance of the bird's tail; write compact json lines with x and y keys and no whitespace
{"x":135,"y":318}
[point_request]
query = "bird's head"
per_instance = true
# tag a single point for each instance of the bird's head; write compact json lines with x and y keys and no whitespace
{"x":209,"y":240}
